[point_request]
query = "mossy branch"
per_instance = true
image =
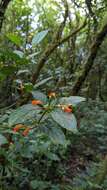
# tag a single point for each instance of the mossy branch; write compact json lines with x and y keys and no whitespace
{"x":90,"y":60}
{"x":57,"y":41}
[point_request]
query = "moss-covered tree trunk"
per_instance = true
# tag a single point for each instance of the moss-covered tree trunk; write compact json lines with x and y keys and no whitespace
{"x":90,"y":60}
{"x":3,"y":7}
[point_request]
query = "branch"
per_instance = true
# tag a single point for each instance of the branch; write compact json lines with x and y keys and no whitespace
{"x":62,"y":25}
{"x":91,"y":13}
{"x":73,"y":33}
{"x":90,"y":60}
{"x":89,"y":6}
{"x":51,"y":47}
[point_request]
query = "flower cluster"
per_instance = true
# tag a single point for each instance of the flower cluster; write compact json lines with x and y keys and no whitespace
{"x":25,"y":129}
{"x":66,"y":108}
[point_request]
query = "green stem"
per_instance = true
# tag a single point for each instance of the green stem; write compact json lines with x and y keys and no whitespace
{"x":42,"y":116}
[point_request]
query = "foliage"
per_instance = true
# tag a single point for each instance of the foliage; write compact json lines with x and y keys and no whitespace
{"x":50,"y":139}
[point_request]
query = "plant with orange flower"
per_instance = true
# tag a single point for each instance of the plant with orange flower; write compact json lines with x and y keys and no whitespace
{"x":21,"y":126}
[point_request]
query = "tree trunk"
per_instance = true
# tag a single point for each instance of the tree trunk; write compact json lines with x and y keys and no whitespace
{"x":93,"y":83}
{"x":90,"y":60}
{"x":3,"y":7}
{"x":71,"y":55}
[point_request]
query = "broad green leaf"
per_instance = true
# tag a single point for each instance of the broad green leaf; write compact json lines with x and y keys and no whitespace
{"x":74,"y":100}
{"x":54,"y":132}
{"x":56,"y":135}
{"x":3,"y":140}
{"x":65,"y":120}
{"x":23,"y":114}
{"x":19,"y":53}
{"x":42,"y":82}
{"x":16,"y":39}
{"x":39,"y":37}
{"x":39,"y":96}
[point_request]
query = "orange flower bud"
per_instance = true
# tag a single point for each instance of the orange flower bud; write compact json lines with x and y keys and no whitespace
{"x":67,"y":109}
{"x":36,"y":102}
{"x":18,"y":127}
{"x":51,"y":94}
{"x":25,"y":132}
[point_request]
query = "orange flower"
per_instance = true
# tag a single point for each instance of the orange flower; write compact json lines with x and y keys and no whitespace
{"x":67,"y":109}
{"x":51,"y":94}
{"x":25,"y":132}
{"x":36,"y":102}
{"x":18,"y":127}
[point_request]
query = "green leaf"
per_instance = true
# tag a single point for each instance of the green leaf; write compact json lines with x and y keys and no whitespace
{"x":39,"y":37}
{"x":36,"y":184}
{"x":56,"y":135}
{"x":39,"y":96}
{"x":52,"y":156}
{"x":3,"y":140}
{"x":2,"y":76}
{"x":19,"y":53}
{"x":6,"y":71}
{"x":8,"y":55}
{"x":65,"y":120}
{"x":42,"y":82}
{"x":26,"y":152}
{"x":23,"y":72}
{"x":73,"y":100}
{"x":14,"y":38}
{"x":28,"y":87}
{"x":23,"y":114}
{"x":33,"y":55}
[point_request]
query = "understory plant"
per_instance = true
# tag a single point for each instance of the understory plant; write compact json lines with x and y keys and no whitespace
{"x":32,"y":135}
